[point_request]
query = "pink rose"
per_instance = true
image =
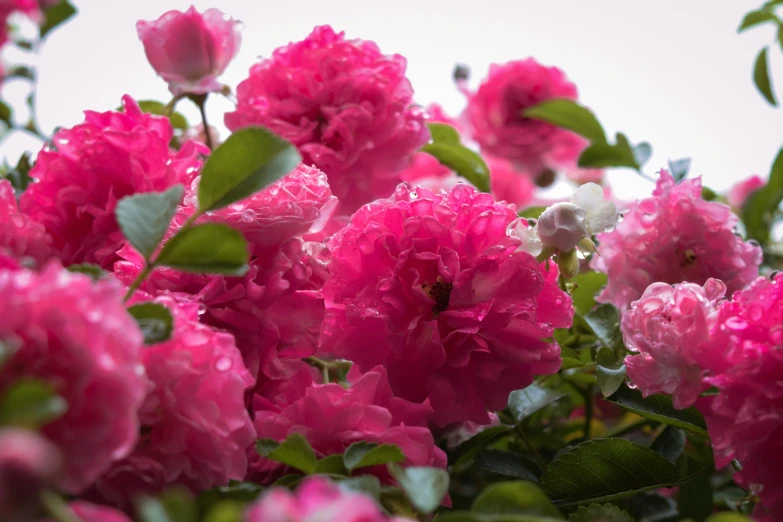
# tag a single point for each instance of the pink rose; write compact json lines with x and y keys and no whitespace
{"x":76,"y":335}
{"x":190,"y":50}
{"x":432,"y":287}
{"x":739,"y":192}
{"x":673,"y":237}
{"x":20,"y":236}
{"x":332,"y":418}
{"x":667,"y":328}
{"x":317,"y":500}
{"x":195,"y":428}
{"x":94,"y":513}
{"x":109,"y":156}
{"x":347,"y":107}
{"x":494,"y":114}
{"x":28,"y":462}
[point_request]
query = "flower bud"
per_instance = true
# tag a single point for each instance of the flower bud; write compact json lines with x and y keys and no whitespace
{"x":527,"y":233}
{"x":190,"y":50}
{"x":562,"y":226}
{"x":600,"y":215}
{"x":568,"y":263}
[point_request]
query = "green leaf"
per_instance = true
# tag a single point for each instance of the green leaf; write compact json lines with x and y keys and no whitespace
{"x":177,"y":120}
{"x":467,"y":516}
{"x":585,"y":287}
{"x":695,"y":498}
{"x":294,"y":451}
{"x":605,"y":469}
{"x":758,"y":209}
{"x":331,"y":465}
{"x":154,"y":320}
{"x":6,"y":114}
{"x":642,"y":153}
{"x":367,"y":484}
{"x":761,"y":77}
{"x":248,"y":161}
{"x":604,"y":321}
{"x":144,"y":218}
{"x":609,"y":371}
{"x":179,"y":505}
{"x":56,"y":15}
{"x":602,"y":155}
{"x":244,"y":492}
{"x":207,"y":248}
{"x":679,"y":168}
{"x":445,"y":146}
{"x":468,"y":450}
{"x":516,"y":497}
{"x":425,"y":487}
{"x":755,"y":18}
{"x":729,"y":517}
{"x":228,"y":511}
{"x":506,"y":463}
{"x":531,"y":212}
{"x":600,"y":513}
{"x":523,"y":403}
{"x":569,"y":115}
{"x":660,"y":409}
{"x":653,"y":507}
{"x":21,"y":71}
{"x":30,"y":403}
{"x":670,"y":444}
{"x":94,"y":271}
{"x":365,"y":454}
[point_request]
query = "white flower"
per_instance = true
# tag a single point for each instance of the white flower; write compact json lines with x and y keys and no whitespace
{"x":562,"y":226}
{"x":527,"y":234}
{"x":600,"y":215}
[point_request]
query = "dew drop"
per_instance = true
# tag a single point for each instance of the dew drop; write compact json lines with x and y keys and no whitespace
{"x":736,"y":323}
{"x":248,"y":215}
{"x":223,"y":364}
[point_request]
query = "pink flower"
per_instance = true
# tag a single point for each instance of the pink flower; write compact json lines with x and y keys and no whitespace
{"x":745,"y":419}
{"x":317,"y":500}
{"x":93,"y":513}
{"x":110,"y":156}
{"x":190,"y":50}
{"x":347,"y":107}
{"x":667,"y":328}
{"x":28,"y":462}
{"x":332,"y":418}
{"x":582,"y":176}
{"x":432,"y":287}
{"x":674,"y":237}
{"x":495,"y":115}
{"x":739,"y":192}
{"x":76,"y":335}
{"x":20,"y":236}
{"x":508,"y":184}
{"x":195,"y":428}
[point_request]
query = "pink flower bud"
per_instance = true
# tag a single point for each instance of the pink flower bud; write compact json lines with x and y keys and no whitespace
{"x":190,"y":50}
{"x":562,"y":226}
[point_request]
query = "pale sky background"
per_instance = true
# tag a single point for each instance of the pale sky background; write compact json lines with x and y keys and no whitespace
{"x":671,"y":72}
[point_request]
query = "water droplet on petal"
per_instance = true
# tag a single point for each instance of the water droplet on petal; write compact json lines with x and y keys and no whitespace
{"x":223,"y":364}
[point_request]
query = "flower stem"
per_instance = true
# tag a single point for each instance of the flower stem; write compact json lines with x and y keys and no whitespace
{"x":148,"y":268}
{"x":201,"y":101}
{"x":521,"y":434}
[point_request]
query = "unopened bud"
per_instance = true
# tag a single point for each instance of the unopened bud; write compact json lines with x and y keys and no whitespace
{"x":568,"y":263}
{"x":562,"y":226}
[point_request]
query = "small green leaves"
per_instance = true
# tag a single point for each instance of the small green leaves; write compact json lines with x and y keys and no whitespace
{"x":605,"y":469}
{"x":55,"y":16}
{"x":600,"y":513}
{"x":609,"y":371}
{"x":365,"y":454}
{"x":642,"y":153}
{"x":144,"y":218}
{"x":208,"y":248}
{"x":754,"y":18}
{"x":445,"y":146}
{"x":761,"y":77}
{"x":154,"y":320}
{"x":506,"y":463}
{"x":294,"y":451}
{"x":30,"y":403}
{"x":601,"y":155}
{"x":523,"y":403}
{"x":670,"y":444}
{"x":659,"y":408}
{"x":248,"y":161}
{"x":568,"y":114}
{"x":531,"y":212}
{"x":425,"y":487}
{"x":759,"y":208}
{"x":679,"y":168}
{"x":516,"y":497}
{"x":94,"y":271}
{"x":584,"y":288}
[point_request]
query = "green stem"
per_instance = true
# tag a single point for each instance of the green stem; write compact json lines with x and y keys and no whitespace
{"x":57,"y":507}
{"x":169,"y":108}
{"x":521,"y":434}
{"x":321,"y":365}
{"x":148,"y":268}
{"x":207,"y":134}
{"x":588,"y":397}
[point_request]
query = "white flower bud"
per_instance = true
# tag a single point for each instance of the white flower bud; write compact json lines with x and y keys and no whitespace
{"x":527,"y":234}
{"x":600,"y":215}
{"x":562,"y":226}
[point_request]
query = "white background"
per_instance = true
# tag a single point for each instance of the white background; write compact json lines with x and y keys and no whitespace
{"x":671,"y":72}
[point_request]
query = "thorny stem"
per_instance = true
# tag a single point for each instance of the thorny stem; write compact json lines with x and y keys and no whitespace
{"x":521,"y":434}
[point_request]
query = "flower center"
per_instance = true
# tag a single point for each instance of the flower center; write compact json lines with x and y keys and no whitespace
{"x":440,"y":292}
{"x":690,"y":258}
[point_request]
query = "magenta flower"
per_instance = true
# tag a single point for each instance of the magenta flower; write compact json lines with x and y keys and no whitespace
{"x":96,"y":163}
{"x":20,"y":236}
{"x":195,"y":428}
{"x":431,"y":286}
{"x":745,"y":419}
{"x":332,"y":418}
{"x":739,"y":192}
{"x":494,"y":114}
{"x":190,"y":50}
{"x":317,"y":500}
{"x":76,"y":335}
{"x":674,"y":237}
{"x":28,"y":462}
{"x":347,"y":107}
{"x":667,"y":328}
{"x":94,"y":513}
